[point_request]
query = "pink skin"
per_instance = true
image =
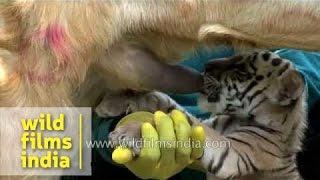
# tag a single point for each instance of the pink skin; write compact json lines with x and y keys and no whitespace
{"x":54,"y":37}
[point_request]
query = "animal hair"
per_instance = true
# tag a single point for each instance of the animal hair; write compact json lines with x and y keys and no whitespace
{"x":52,"y":50}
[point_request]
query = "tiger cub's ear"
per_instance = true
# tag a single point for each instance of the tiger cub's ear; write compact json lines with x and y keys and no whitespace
{"x":286,"y":88}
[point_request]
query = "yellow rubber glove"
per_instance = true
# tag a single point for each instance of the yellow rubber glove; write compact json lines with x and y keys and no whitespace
{"x":167,"y":148}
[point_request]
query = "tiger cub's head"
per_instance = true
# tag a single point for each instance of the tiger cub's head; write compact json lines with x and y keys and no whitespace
{"x":241,"y":83}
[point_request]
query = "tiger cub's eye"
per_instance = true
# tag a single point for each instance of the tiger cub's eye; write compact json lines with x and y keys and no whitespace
{"x":214,"y":95}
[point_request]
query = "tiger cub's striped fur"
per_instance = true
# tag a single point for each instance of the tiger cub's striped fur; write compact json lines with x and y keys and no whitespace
{"x":258,"y":100}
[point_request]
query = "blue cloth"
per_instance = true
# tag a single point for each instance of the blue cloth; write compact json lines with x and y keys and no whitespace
{"x":308,"y":63}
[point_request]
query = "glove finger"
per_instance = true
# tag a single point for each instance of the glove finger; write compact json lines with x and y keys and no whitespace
{"x":150,"y":151}
{"x":183,"y":133}
{"x":145,"y":164}
{"x":122,"y":155}
{"x":198,"y":140}
{"x":167,"y":138}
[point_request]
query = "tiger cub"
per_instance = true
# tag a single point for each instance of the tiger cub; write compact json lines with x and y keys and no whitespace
{"x":258,"y":102}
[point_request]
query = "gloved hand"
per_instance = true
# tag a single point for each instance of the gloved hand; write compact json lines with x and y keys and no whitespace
{"x":167,"y":148}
